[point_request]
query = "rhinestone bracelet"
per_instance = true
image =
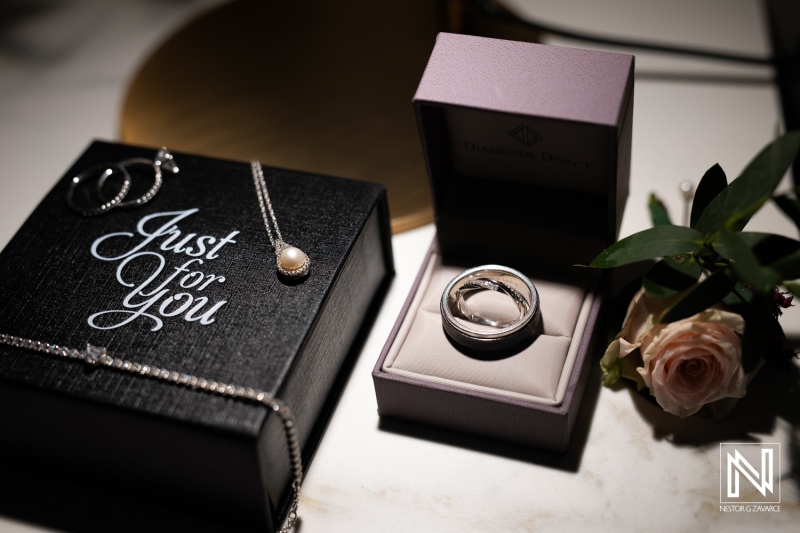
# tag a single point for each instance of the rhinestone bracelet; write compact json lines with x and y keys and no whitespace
{"x":99,"y":356}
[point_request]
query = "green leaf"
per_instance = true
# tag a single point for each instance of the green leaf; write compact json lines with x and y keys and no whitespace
{"x":760,"y":325}
{"x":790,"y":207}
{"x":671,"y":275}
{"x":658,"y":213}
{"x":769,"y":247}
{"x":713,"y":289}
{"x":794,"y":288}
{"x":738,"y":201}
{"x":648,"y":244}
{"x":738,"y":298}
{"x":787,"y":267}
{"x":711,"y":185}
{"x":781,"y":254}
{"x":735,"y":247}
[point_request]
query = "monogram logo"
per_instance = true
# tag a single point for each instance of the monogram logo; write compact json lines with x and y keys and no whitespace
{"x":525,"y":135}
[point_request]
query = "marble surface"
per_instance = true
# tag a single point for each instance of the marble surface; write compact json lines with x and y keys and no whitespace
{"x":63,"y":72}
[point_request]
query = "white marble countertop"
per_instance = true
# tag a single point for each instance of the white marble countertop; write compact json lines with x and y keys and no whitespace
{"x":63,"y":73}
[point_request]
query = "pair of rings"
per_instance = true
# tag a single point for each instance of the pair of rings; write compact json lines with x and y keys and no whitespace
{"x":461,"y":322}
{"x":163,"y":162}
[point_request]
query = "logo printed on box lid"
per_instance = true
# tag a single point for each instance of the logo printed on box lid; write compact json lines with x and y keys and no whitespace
{"x":525,"y":135}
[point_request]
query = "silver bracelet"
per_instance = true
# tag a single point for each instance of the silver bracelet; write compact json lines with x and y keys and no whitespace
{"x":99,"y":356}
{"x":503,"y":334}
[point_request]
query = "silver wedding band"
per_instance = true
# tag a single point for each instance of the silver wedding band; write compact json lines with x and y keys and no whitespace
{"x":457,"y":316}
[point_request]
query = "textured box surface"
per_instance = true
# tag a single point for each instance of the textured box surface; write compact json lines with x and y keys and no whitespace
{"x":188,"y":283}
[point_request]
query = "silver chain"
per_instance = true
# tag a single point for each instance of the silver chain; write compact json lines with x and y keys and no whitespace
{"x":264,"y":201}
{"x":296,"y":265}
{"x":99,"y":356}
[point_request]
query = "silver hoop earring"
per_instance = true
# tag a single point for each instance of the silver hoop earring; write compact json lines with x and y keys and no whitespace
{"x":105,"y":172}
{"x":163,"y":162}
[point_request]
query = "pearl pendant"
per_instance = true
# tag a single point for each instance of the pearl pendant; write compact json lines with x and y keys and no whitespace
{"x":292,"y":258}
{"x":292,"y":261}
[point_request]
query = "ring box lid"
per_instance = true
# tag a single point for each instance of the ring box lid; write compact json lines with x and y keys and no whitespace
{"x":528,"y":141}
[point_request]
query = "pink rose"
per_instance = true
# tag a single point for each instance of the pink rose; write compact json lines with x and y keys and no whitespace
{"x":694,"y":361}
{"x":643,"y":314}
{"x":685,"y":364}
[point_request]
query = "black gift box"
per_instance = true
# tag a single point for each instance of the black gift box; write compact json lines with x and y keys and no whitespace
{"x":107,"y":280}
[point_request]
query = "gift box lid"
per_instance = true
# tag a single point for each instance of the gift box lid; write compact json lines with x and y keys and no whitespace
{"x":527,"y":148}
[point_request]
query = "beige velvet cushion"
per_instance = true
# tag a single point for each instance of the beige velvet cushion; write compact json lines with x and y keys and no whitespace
{"x":538,"y":372}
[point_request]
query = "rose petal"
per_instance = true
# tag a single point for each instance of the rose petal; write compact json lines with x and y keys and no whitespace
{"x":694,"y":361}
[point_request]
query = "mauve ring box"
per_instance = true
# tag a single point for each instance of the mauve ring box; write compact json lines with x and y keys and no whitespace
{"x":527,"y":148}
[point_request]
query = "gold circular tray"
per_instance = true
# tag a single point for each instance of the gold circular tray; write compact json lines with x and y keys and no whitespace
{"x":318,"y":86}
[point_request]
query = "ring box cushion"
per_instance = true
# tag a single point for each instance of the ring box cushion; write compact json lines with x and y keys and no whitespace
{"x":537,"y":371}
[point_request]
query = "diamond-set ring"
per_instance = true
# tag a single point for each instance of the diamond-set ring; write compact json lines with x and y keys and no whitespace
{"x":459,"y":319}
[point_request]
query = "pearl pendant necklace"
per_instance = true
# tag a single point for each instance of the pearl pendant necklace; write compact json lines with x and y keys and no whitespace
{"x":291,"y":261}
